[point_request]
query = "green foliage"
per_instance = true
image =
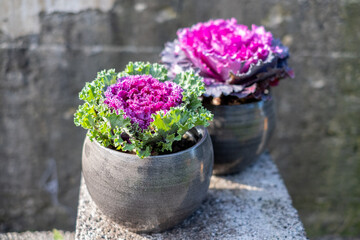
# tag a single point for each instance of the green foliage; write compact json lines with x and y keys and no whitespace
{"x":57,"y":235}
{"x":112,"y":129}
{"x":140,"y":68}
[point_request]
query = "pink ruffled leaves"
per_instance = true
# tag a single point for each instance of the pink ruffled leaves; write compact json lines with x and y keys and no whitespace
{"x":232,"y":58}
{"x":139,"y":96}
{"x":220,"y":46}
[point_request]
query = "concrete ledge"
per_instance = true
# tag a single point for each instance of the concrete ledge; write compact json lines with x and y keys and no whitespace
{"x":254,"y":204}
{"x":40,"y":235}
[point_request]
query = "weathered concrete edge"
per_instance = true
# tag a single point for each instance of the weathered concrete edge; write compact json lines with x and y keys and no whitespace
{"x":38,"y":235}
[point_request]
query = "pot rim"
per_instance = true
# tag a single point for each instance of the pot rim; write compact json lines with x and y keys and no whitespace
{"x":120,"y":154}
{"x":259,"y":103}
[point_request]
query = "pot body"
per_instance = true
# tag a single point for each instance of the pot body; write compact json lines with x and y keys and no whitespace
{"x":150,"y":194}
{"x":240,"y":134}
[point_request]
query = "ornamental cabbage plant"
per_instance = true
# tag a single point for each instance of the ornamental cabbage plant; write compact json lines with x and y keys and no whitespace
{"x":233,"y":59}
{"x":140,"y":110}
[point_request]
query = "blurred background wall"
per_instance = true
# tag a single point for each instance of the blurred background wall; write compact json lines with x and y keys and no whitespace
{"x":49,"y":49}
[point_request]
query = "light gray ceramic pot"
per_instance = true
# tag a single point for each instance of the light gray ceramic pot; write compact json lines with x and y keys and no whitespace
{"x":240,"y":134}
{"x":150,"y":194}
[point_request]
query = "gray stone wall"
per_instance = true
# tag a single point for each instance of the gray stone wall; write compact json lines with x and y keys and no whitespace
{"x":49,"y":49}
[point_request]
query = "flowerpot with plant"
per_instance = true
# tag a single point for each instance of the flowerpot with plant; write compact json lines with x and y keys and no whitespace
{"x":147,"y":158}
{"x":239,"y":66}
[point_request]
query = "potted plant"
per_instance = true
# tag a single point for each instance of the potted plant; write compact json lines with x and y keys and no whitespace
{"x":147,"y":158}
{"x":239,"y":66}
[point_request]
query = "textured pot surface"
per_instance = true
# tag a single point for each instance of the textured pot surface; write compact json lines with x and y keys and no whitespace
{"x":150,"y":194}
{"x":240,"y":134}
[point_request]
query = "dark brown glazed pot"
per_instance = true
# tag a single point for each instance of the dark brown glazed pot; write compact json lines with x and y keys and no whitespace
{"x":150,"y":194}
{"x":240,"y":133}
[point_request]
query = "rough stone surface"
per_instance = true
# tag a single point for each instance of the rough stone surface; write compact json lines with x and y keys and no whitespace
{"x":36,"y":235}
{"x":252,"y":205}
{"x":44,"y":64}
{"x":21,"y":18}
